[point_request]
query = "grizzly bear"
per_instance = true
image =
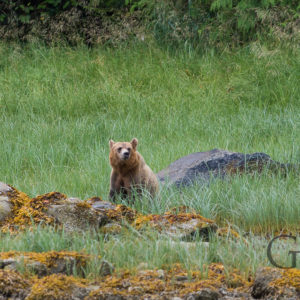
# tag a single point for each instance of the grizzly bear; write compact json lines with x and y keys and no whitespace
{"x":129,"y":171}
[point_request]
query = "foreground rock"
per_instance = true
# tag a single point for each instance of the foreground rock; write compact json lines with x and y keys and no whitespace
{"x":274,"y":283}
{"x":176,"y":283}
{"x":79,"y":216}
{"x":204,"y":166}
{"x":13,"y":285}
{"x":18,"y":211}
{"x":45,"y":263}
{"x":146,"y":284}
{"x":58,"y":287}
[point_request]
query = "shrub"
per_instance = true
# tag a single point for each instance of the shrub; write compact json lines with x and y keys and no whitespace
{"x":26,"y":10}
{"x":221,"y":22}
{"x":196,"y":23}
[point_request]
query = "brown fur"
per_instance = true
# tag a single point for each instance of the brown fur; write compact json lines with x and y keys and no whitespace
{"x":129,"y":171}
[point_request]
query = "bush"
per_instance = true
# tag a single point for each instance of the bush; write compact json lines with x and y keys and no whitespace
{"x":196,"y":23}
{"x":26,"y":10}
{"x":72,"y":22}
{"x":221,"y":22}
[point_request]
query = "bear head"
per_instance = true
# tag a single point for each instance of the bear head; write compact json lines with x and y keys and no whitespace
{"x":122,"y":153}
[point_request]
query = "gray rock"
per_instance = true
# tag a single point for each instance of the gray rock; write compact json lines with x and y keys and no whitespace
{"x":103,"y":205}
{"x":181,"y":278}
{"x":184,"y":229}
{"x":38,"y":268}
{"x":106,"y":268}
{"x":6,"y":262}
{"x":73,"y":200}
{"x":79,"y":293}
{"x":63,"y":265}
{"x":76,"y":218}
{"x":204,"y":166}
{"x":263,"y":277}
{"x":263,"y":289}
{"x":4,"y":188}
{"x":187,"y":230}
{"x":204,"y":294}
{"x":5,"y":207}
{"x":11,"y":267}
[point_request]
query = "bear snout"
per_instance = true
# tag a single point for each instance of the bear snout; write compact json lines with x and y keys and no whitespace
{"x":125,"y":154}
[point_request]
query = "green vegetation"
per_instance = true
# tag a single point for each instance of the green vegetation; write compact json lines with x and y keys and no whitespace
{"x":194,"y":23}
{"x":59,"y":107}
{"x":130,"y":250}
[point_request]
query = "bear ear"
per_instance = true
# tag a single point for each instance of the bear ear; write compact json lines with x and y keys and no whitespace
{"x":111,"y":143}
{"x":134,"y":143}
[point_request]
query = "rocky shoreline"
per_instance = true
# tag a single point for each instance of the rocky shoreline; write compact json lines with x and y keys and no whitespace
{"x":53,"y":281}
{"x":48,"y":275}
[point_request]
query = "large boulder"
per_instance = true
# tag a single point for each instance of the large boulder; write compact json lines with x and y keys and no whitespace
{"x":204,"y":166}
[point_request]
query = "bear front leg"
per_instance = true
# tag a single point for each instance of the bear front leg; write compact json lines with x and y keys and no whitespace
{"x":113,"y":190}
{"x":128,"y":184}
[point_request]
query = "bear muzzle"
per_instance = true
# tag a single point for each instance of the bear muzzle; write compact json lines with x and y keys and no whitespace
{"x":125,"y":154}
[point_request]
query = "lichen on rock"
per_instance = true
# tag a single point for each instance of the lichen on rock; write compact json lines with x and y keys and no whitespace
{"x":151,"y":283}
{"x":27,"y":211}
{"x":182,"y":225}
{"x":45,"y":263}
{"x":58,"y":287}
{"x":13,"y":284}
{"x":76,"y":217}
{"x":274,"y":281}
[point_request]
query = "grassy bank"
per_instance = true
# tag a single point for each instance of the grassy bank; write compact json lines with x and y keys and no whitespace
{"x":60,"y":106}
{"x":131,"y":251}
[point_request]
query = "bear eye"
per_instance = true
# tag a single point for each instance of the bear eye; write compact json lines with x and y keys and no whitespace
{"x":119,"y":149}
{"x":128,"y":149}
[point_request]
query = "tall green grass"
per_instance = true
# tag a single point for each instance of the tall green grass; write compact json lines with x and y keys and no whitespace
{"x":152,"y":250}
{"x":60,"y":106}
